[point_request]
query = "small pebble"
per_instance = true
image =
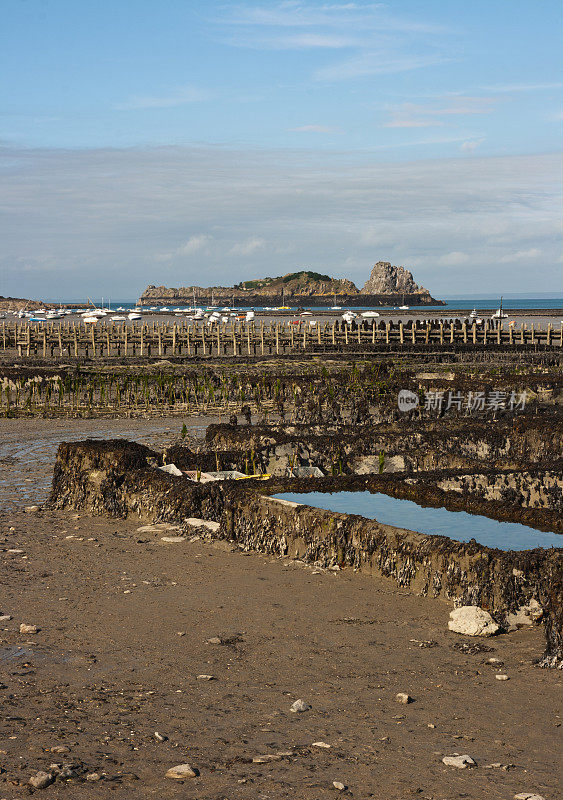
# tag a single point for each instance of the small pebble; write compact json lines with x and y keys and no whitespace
{"x":160,"y":737}
{"x":205,"y":677}
{"x":404,"y":698}
{"x":181,"y":771}
{"x":214,"y":640}
{"x":28,"y":628}
{"x":321,"y":744}
{"x":339,"y":785}
{"x":93,"y":776}
{"x":41,"y":780}
{"x":502,"y":677}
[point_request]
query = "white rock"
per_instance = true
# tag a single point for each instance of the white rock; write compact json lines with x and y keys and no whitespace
{"x":472,"y":621}
{"x":525,"y":615}
{"x":5,"y":617}
{"x":28,"y":628}
{"x":160,"y":737}
{"x":93,"y":776}
{"x":205,"y":677}
{"x":339,"y":785}
{"x":321,"y":744}
{"x":30,"y":510}
{"x":214,"y":640}
{"x":461,"y":762}
{"x":211,"y":526}
{"x":172,"y":539}
{"x":502,"y":677}
{"x":404,"y":698}
{"x":181,"y":771}
{"x":300,"y":706}
{"x":528,"y":796}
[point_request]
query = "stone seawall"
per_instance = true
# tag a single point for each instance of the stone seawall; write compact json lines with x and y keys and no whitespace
{"x":118,"y":478}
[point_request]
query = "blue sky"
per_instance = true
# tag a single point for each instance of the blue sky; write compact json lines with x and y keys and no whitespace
{"x":180,"y":142}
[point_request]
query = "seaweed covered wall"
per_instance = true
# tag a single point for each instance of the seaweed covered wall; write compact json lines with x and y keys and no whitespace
{"x":401,"y":446}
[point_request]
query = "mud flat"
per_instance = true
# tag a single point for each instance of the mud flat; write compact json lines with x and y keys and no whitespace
{"x":109,"y":668}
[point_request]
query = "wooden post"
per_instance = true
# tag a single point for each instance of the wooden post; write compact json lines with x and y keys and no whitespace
{"x":346,"y":332}
{"x":427,"y":334}
{"x":413,"y":331}
{"x":75,"y":340}
{"x":248,"y":338}
{"x":45,"y":343}
{"x":278,"y":339}
{"x":522,"y":337}
{"x":474,"y":332}
{"x":499,"y":332}
{"x":510,"y":334}
{"x":125,"y":331}
{"x":548,"y":334}
{"x":464,"y":329}
{"x":318,"y":333}
{"x":533,"y":331}
{"x":174,"y":339}
{"x":262,"y":338}
{"x":451,"y":332}
{"x":234,"y":341}
{"x":334,"y":333}
{"x":142,"y":339}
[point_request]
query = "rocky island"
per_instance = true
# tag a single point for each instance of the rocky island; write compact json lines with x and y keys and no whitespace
{"x":387,"y":285}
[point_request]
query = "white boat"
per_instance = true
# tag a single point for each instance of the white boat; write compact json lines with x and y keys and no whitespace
{"x":118,"y":318}
{"x":403,"y":308}
{"x":499,"y":313}
{"x":306,"y":314}
{"x":473,"y":314}
{"x":336,"y":308}
{"x":90,"y":319}
{"x":165,"y":308}
{"x":250,"y":316}
{"x":369,"y":314}
{"x":349,"y":317}
{"x":133,"y":316}
{"x":121,"y":309}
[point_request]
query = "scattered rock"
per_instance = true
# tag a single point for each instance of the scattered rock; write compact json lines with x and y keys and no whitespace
{"x":31,"y":510}
{"x":214,"y":640}
{"x":502,"y":677}
{"x":181,"y":771}
{"x":28,"y":628}
{"x":206,"y":678}
{"x":321,"y":744}
{"x":160,"y":737}
{"x":194,"y":522}
{"x":93,"y":776}
{"x":173,"y":539}
{"x":470,"y":648}
{"x":461,"y":762}
{"x":472,"y":621}
{"x":339,"y":785}
{"x":300,"y":706}
{"x":5,"y":617}
{"x":60,"y":748}
{"x":404,"y":698}
{"x":496,"y":661}
{"x":41,"y":779}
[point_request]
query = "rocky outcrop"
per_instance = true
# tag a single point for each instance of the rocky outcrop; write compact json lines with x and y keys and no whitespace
{"x":387,"y":285}
{"x":387,"y":279}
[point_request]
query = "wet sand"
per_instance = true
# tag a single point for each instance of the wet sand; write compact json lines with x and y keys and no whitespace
{"x":124,"y":621}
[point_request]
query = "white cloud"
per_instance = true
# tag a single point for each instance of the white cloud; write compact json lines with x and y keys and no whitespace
{"x":179,"y":97}
{"x":521,"y":255}
{"x":248,"y":247}
{"x":417,"y":115}
{"x":453,"y":259}
{"x":373,"y":63}
{"x":471,"y":145}
{"x":193,"y":245}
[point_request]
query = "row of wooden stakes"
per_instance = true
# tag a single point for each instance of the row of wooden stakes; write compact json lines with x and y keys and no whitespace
{"x":236,"y":339}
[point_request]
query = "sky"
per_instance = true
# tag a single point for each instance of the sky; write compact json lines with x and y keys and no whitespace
{"x":181,"y":141}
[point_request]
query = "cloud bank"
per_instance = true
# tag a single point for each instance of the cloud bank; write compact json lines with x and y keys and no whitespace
{"x":108,"y":222}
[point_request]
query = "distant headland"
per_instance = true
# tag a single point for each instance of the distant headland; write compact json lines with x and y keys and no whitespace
{"x":386,"y":285}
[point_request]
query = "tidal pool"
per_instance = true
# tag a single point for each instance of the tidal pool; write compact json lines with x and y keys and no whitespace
{"x":458,"y":525}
